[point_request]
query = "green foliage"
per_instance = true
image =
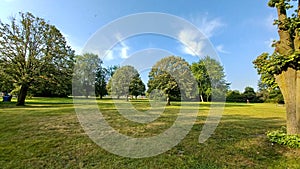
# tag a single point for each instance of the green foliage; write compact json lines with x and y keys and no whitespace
{"x":33,"y":54}
{"x":235,"y":96}
{"x":282,"y":138}
{"x":87,"y":67}
{"x":136,"y":86}
{"x":210,"y":76}
{"x":249,"y":94}
{"x":126,"y":81}
{"x":269,"y":65}
{"x":173,"y":77}
{"x":100,"y":82}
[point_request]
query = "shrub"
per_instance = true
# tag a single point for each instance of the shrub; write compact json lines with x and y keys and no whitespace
{"x":282,"y":138}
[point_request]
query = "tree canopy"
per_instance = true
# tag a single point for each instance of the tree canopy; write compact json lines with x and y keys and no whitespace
{"x":87,"y":67}
{"x":210,"y":76}
{"x":173,"y":77}
{"x":33,"y":52}
{"x":126,"y":81}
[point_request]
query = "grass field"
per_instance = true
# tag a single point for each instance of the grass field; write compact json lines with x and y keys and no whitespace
{"x":46,"y":134}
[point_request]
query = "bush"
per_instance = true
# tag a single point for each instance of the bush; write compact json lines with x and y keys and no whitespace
{"x":280,"y":137}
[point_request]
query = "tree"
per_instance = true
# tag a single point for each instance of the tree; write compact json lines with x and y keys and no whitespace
{"x":100,"y":84}
{"x":136,"y":86}
{"x":125,"y":81}
{"x":210,"y":76}
{"x":267,"y":93}
{"x":234,"y":96}
{"x":283,"y":66}
{"x":88,"y":66}
{"x":33,"y":51}
{"x":173,"y":77}
{"x":249,"y":94}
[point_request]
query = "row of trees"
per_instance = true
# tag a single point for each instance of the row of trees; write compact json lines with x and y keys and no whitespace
{"x":249,"y":95}
{"x":35,"y":59}
{"x":172,"y":78}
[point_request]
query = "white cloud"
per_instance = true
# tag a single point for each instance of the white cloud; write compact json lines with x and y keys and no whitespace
{"x":207,"y":26}
{"x":220,"y":48}
{"x":194,"y":44}
{"x":124,"y":51}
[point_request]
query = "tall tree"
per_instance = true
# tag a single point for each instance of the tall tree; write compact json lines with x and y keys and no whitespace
{"x":31,"y":51}
{"x":136,"y":86}
{"x":283,"y":66}
{"x":210,"y":76}
{"x":100,"y":84}
{"x":85,"y":76}
{"x":172,"y":76}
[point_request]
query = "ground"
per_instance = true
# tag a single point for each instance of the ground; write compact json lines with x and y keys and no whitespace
{"x":46,"y":134}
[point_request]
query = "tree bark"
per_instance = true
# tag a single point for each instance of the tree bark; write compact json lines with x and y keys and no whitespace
{"x":289,"y":83}
{"x":22,"y":95}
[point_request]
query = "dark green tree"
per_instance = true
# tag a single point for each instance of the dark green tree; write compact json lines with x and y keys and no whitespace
{"x":101,"y":82}
{"x":173,"y":77}
{"x":136,"y":86}
{"x":249,"y":95}
{"x":283,"y":66}
{"x":234,"y":96}
{"x":33,"y":52}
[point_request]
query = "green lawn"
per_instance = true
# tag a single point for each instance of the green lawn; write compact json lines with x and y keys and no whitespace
{"x":46,"y":134}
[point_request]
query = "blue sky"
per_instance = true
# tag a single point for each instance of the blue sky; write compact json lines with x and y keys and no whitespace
{"x":238,"y":30}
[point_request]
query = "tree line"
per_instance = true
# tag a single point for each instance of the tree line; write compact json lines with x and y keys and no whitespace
{"x":36,"y":60}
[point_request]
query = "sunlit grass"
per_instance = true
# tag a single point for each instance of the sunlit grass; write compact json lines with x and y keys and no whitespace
{"x":47,"y":134}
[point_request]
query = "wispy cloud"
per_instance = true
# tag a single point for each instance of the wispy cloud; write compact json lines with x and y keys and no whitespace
{"x":206,"y":25}
{"x":123,"y":49}
{"x":195,"y":43}
{"x":220,"y":48}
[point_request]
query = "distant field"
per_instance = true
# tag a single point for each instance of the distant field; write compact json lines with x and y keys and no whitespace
{"x":46,"y":134}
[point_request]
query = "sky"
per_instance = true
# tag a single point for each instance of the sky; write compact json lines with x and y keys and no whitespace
{"x":239,"y":31}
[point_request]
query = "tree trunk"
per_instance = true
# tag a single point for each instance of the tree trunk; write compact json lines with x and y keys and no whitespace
{"x":289,"y":83}
{"x":22,"y":95}
{"x":168,"y":101}
{"x":201,"y":98}
{"x":101,"y":96}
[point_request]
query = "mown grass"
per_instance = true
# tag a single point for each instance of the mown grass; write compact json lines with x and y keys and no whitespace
{"x":47,"y":134}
